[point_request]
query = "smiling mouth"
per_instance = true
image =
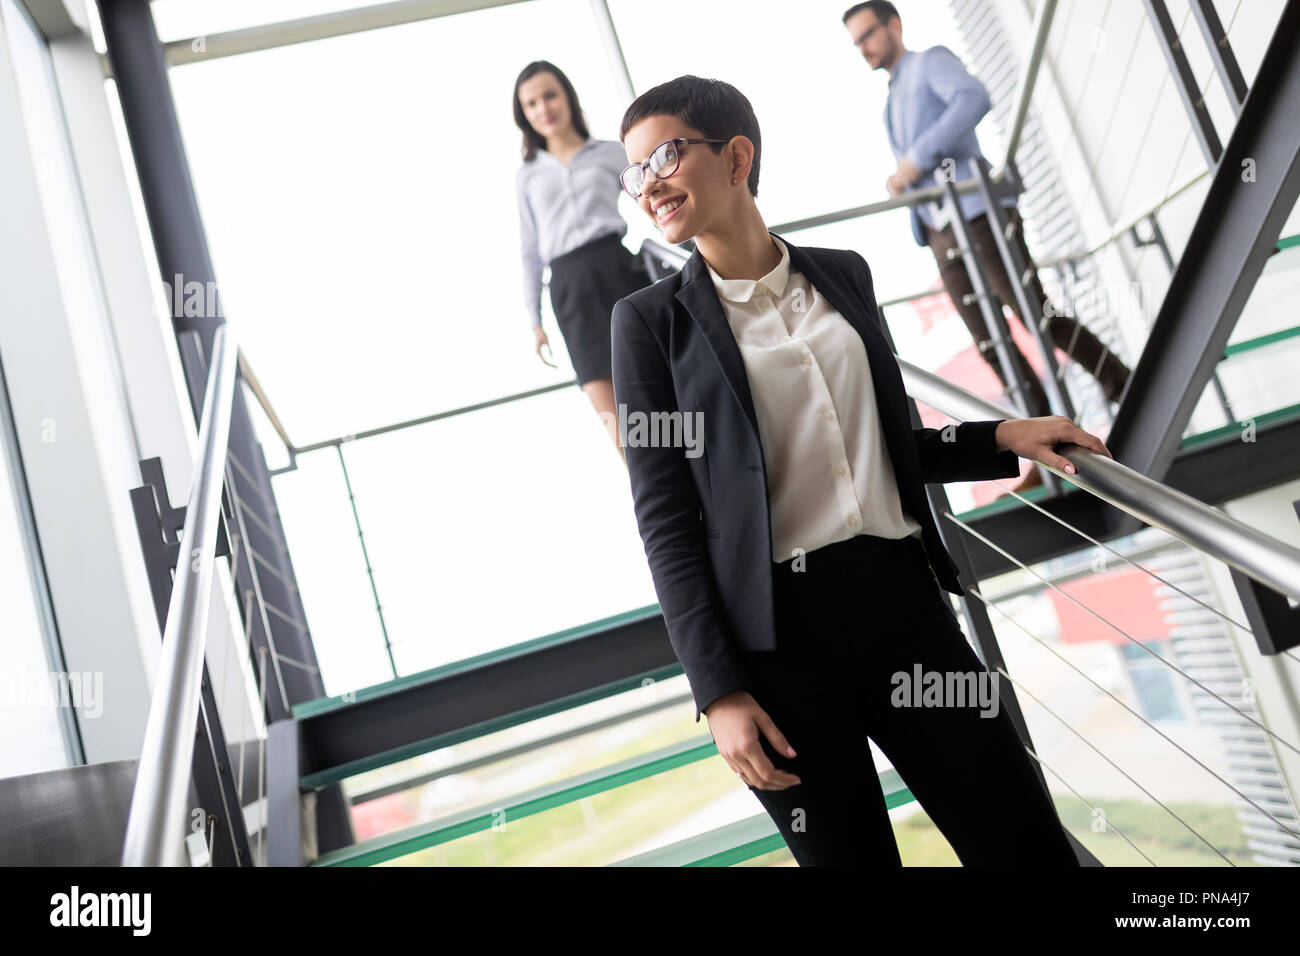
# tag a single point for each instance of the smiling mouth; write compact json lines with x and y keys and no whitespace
{"x":668,"y":210}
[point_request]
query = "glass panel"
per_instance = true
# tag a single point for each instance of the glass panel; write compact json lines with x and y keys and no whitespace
{"x":637,"y":818}
{"x":331,"y":573}
{"x":1261,"y":380}
{"x":36,"y":693}
{"x":31,"y":685}
{"x":383,"y":280}
{"x":605,"y":827}
{"x":452,"y":525}
{"x":473,"y":773}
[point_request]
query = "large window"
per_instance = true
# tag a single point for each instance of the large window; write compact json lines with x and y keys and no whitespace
{"x":34,"y":715}
{"x":363,"y":227}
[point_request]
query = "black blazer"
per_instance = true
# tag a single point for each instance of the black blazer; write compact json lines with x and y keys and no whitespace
{"x":704,"y":520}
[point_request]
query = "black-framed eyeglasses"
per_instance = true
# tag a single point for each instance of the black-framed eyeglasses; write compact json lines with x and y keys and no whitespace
{"x":662,"y":161}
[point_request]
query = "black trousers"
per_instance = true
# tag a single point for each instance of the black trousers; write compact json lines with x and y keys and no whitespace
{"x":861,"y":612}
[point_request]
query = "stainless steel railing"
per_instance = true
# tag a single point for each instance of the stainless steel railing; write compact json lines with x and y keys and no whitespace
{"x":1249,"y":550}
{"x":155,"y":823}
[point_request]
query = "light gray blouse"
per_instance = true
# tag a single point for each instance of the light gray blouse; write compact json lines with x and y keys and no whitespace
{"x":562,"y":207}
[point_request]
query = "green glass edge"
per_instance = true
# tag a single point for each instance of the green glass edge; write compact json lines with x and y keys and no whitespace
{"x":1261,"y":341}
{"x":412,"y":839}
{"x":1232,"y":430}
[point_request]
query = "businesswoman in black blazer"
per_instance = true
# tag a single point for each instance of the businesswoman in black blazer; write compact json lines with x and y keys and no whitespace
{"x":567,"y":190}
{"x":778,"y":490}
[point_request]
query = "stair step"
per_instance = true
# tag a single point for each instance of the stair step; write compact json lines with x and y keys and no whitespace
{"x":569,"y":790}
{"x":745,"y":839}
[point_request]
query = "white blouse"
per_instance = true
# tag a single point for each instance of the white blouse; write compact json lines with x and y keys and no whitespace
{"x":829,"y":475}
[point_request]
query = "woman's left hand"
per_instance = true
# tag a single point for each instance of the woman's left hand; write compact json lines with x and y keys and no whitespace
{"x":1037,"y":438}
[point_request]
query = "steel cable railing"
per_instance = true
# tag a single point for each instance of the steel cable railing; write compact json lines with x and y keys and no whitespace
{"x":1095,"y":811}
{"x":1250,"y":551}
{"x":1100,"y":753}
{"x":1117,"y":629}
{"x":1287,"y":828}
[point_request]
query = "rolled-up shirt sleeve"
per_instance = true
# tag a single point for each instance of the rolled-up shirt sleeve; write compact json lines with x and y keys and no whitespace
{"x":967,"y":102}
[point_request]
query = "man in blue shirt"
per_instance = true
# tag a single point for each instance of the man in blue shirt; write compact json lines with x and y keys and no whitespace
{"x":933,"y":107}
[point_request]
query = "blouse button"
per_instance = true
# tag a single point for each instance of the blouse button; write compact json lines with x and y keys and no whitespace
{"x":828,"y":416}
{"x":807,"y":360}
{"x":853,"y":521}
{"x":841,"y":471}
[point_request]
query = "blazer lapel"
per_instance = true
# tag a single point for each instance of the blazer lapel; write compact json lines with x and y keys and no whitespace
{"x":700,"y":298}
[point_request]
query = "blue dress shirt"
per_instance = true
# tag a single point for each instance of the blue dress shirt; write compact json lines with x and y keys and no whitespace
{"x":930,"y":114}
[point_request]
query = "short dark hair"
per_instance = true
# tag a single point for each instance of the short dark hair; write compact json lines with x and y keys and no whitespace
{"x":883,"y":10}
{"x":533,"y":140}
{"x":717,"y":109}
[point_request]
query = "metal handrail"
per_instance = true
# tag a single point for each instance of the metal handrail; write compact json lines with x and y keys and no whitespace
{"x":1249,"y":550}
{"x":1116,"y":232}
{"x":155,"y":824}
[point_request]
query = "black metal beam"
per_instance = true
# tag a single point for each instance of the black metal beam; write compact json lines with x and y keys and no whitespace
{"x":284,"y":825}
{"x":1253,"y":191}
{"x":1225,"y":61}
{"x":1185,"y":81}
{"x":1274,"y":623}
{"x":1233,"y":468}
{"x":424,"y":715}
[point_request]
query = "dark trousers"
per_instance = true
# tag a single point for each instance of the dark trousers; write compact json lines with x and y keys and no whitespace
{"x":862,"y":611}
{"x":1068,"y":334}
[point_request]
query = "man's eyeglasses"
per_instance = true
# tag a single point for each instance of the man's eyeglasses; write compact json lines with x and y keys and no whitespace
{"x":662,"y":162}
{"x":867,"y":35}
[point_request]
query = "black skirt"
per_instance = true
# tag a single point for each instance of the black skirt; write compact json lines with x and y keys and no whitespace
{"x":585,"y":284}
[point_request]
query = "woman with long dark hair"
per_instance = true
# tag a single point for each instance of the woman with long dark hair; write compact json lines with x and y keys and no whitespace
{"x":778,"y":488}
{"x":568,"y":190}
